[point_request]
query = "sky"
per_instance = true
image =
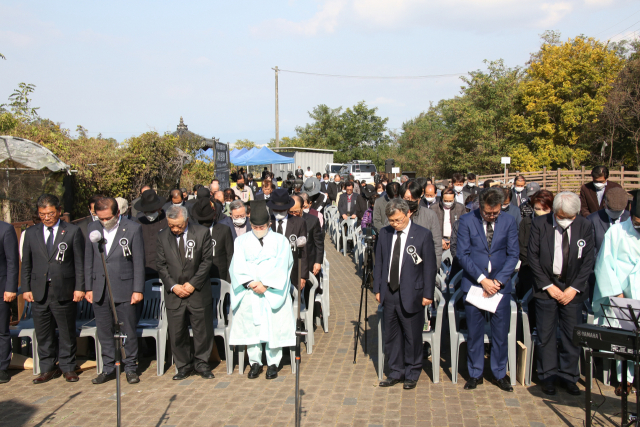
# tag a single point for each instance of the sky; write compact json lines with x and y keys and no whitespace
{"x":121,"y":68}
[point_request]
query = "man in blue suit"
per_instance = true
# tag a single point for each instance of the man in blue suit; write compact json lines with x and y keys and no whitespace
{"x":487,"y":249}
{"x":404,"y":281}
{"x":9,"y":269}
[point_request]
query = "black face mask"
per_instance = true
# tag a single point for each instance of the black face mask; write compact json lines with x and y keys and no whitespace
{"x":413,"y":206}
{"x":240,"y":186}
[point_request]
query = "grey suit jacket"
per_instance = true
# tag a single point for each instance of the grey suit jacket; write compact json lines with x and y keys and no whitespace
{"x":379,"y":217}
{"x":429,"y":219}
{"x":601,"y":223}
{"x":125,"y":274}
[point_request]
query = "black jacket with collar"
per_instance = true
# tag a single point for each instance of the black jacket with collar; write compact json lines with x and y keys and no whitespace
{"x":315,"y":240}
{"x":295,"y":227}
{"x":222,"y":249}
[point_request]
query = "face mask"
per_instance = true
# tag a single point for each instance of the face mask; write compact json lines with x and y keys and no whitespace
{"x":599,"y":185}
{"x":413,"y":206}
{"x":447,"y":204}
{"x":239,"y":222}
{"x":280,"y":215}
{"x":240,"y":186}
{"x":260,"y":233}
{"x":540,"y":212}
{"x":637,"y":227}
{"x":458,"y":188}
{"x":613,"y":214}
{"x":94,"y":217}
{"x":326,"y":180}
{"x":471,"y":184}
{"x":151,"y":216}
{"x":519,"y":189}
{"x":564,"y":223}
{"x":227,"y":203}
{"x":430,"y":199}
{"x":108,"y":225}
{"x":379,"y":193}
{"x":505,"y":207}
{"x":176,"y":204}
{"x":305,"y":210}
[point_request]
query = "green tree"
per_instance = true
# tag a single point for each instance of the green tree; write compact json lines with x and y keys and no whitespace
{"x":244,"y":143}
{"x":20,"y":102}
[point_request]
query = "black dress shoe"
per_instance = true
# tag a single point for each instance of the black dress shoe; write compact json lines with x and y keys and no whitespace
{"x":103,"y":378}
{"x":548,"y":388}
{"x":4,"y":377}
{"x":473,"y":383}
{"x":272,"y":372}
{"x":47,"y":376}
{"x":206,"y":374}
{"x":571,"y":388}
{"x":256,"y":370}
{"x":389,"y":382}
{"x":409,"y":384}
{"x":504,"y":384}
{"x":133,"y":378}
{"x":182,"y":374}
{"x":71,"y":377}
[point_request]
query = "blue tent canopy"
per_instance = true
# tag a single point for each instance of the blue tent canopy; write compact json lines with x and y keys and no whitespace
{"x":236,"y":153}
{"x":262,"y":156}
{"x":246,"y":155}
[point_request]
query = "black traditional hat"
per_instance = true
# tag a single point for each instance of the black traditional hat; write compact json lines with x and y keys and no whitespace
{"x":203,"y":193}
{"x":149,"y":202}
{"x":279,"y":201}
{"x":202,"y":210}
{"x":259,"y":213}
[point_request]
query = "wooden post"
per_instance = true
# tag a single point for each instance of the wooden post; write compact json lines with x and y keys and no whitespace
{"x":558,"y":190}
{"x":622,"y":176}
{"x":544,"y":177}
{"x":582,"y":177}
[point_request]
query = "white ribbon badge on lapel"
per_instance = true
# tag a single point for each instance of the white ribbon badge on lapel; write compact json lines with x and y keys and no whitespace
{"x":411,"y":250}
{"x":190,"y":245}
{"x":213,"y":243}
{"x":126,"y":252}
{"x":62,"y":248}
{"x":581,"y":244}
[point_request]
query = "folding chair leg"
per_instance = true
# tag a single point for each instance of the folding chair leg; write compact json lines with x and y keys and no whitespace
{"x":228,"y":354}
{"x":241,"y":349}
{"x":455,"y":357}
{"x":435,"y":360}
{"x":512,"y":361}
{"x":160,"y":353}
{"x":36,"y":358}
{"x":292,"y":355}
{"x":380,"y":352}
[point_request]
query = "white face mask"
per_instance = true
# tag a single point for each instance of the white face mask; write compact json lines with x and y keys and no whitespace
{"x":179,"y":204}
{"x":458,"y":188}
{"x":110,"y":224}
{"x":305,"y":210}
{"x":564,"y":223}
{"x":613,"y":214}
{"x":280,"y":215}
{"x":260,"y":233}
{"x":519,"y":189}
{"x":505,"y":207}
{"x":540,"y":212}
{"x":471,"y":184}
{"x":599,"y":185}
{"x":326,"y":180}
{"x":151,"y":216}
{"x":447,"y":204}
{"x":430,"y":199}
{"x":379,"y":193}
{"x":239,"y":222}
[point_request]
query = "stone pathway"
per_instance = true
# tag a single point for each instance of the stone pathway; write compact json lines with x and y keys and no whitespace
{"x":336,"y":391}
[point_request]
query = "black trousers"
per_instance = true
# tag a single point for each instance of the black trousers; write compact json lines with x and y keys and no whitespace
{"x":5,"y":337}
{"x":201,"y":321}
{"x":553,"y":318}
{"x":128,"y":315}
{"x":47,"y":314}
{"x":403,"y":338}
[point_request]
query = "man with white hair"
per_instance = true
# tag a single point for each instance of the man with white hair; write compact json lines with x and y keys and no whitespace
{"x":561,"y":257}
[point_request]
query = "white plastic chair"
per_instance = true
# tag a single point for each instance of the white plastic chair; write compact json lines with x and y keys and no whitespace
{"x":153,"y":321}
{"x":324,"y":297}
{"x":306,"y":314}
{"x":26,"y":329}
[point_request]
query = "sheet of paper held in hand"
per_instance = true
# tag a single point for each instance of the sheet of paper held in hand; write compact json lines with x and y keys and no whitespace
{"x":475,"y":297}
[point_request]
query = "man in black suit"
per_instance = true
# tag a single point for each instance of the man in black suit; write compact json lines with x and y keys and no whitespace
{"x":9,"y":271}
{"x":135,"y":212}
{"x":561,"y":257}
{"x":152,"y":220}
{"x":287,"y":225}
{"x":471,"y":187}
{"x":184,"y":264}
{"x":53,"y":282}
{"x":204,"y":212}
{"x":267,"y":188}
{"x":124,"y":256}
{"x":351,"y":205}
{"x":238,"y":222}
{"x":251,"y":183}
{"x":404,"y":281}
{"x":430,"y":199}
{"x":315,"y":239}
{"x":176,"y":199}
{"x":334,"y":188}
{"x":324,"y":184}
{"x":83,"y":223}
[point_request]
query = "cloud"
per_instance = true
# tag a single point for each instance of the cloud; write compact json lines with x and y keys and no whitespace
{"x":455,"y":15}
{"x":202,"y":60}
{"x":381,"y":100}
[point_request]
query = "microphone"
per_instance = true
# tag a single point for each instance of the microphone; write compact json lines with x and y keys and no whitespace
{"x":96,"y":237}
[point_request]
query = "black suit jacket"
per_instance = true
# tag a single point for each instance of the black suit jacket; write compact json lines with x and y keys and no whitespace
{"x":333,"y":189}
{"x":358,"y":205}
{"x":315,"y":240}
{"x":295,"y":226}
{"x":229,"y":223}
{"x":9,"y":258}
{"x":260,"y":196}
{"x":601,"y":223}
{"x":254,"y":186}
{"x":324,"y":187}
{"x":83,"y":224}
{"x":222,"y":249}
{"x":540,"y":256}
{"x":125,"y":273}
{"x":177,"y":270}
{"x":66,"y":276}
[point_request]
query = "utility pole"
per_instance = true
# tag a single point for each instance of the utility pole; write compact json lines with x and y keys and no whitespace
{"x":277,"y":114}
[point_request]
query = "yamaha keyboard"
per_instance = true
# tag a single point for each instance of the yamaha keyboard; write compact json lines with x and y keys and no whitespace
{"x":601,"y":338}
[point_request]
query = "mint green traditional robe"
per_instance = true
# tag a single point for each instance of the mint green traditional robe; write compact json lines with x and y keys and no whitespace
{"x":266,"y":318}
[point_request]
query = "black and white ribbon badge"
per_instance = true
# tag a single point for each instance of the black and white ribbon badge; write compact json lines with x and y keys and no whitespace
{"x":124,"y":243}
{"x":411,"y":250}
{"x":190,"y":245}
{"x":62,"y":248}
{"x":213,"y":244}
{"x":581,"y":245}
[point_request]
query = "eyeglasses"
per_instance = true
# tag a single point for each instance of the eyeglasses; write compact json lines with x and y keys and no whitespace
{"x":490,"y":214}
{"x":47,"y":215}
{"x":396,"y":221}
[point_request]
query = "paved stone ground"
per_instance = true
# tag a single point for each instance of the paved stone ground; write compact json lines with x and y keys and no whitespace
{"x":336,"y":392}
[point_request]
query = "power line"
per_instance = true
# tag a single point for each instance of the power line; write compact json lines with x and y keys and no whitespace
{"x":635,"y":23}
{"x":604,"y":31}
{"x":433,"y":76}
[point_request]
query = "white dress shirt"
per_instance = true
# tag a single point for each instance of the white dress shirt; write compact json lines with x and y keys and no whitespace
{"x":557,"y":250}
{"x":55,"y":232}
{"x":446,"y":225}
{"x":459,"y":197}
{"x":403,"y":242}
{"x":110,"y":236}
{"x":284,"y":224}
{"x":600,"y":193}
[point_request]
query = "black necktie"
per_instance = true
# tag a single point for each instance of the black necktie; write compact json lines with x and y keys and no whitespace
{"x":50,"y":241}
{"x":394,"y":281}
{"x":489,"y":234}
{"x":261,"y":242}
{"x":279,"y":230}
{"x":181,"y":248}
{"x":565,"y":254}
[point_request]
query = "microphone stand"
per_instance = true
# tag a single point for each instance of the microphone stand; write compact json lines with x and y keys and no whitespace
{"x":300,"y":330}
{"x":118,"y":336}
